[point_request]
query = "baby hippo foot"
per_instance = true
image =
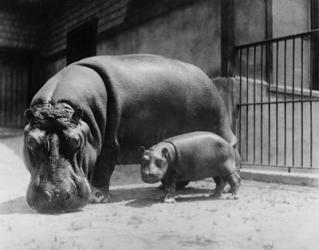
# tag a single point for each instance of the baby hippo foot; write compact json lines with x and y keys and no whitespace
{"x":169,"y":198}
{"x":233,"y":196}
{"x":99,"y":195}
{"x":216,"y":194}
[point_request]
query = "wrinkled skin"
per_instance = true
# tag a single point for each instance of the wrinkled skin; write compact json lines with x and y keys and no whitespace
{"x":55,"y":155}
{"x":114,"y":104}
{"x":190,"y":157}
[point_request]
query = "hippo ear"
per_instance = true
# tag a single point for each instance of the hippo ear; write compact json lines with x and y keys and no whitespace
{"x":77,"y":115}
{"x":164,"y":151}
{"x":28,"y":114}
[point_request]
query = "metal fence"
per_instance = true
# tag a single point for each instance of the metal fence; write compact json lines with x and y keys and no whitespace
{"x":279,"y":106}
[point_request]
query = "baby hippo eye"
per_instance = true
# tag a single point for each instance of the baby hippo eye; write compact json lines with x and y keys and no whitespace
{"x":160,"y":163}
{"x":144,"y":161}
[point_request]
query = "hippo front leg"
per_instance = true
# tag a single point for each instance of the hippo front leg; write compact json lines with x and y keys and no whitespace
{"x":100,"y":179}
{"x":170,"y":187}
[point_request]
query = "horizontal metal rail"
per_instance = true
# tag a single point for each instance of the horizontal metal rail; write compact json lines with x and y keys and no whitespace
{"x":278,"y":39}
{"x":278,"y":102}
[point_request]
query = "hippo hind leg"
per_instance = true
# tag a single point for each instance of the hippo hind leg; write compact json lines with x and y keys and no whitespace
{"x":220,"y":186}
{"x":234,"y":182}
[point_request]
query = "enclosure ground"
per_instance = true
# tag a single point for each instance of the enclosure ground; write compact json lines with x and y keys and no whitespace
{"x":266,"y":216}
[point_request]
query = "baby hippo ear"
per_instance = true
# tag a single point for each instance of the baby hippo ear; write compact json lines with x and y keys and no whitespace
{"x":28,"y":114}
{"x":77,"y":115}
{"x":164,"y":151}
{"x":141,"y":150}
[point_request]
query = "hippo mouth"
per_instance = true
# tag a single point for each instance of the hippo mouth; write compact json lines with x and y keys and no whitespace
{"x":58,"y":192}
{"x":150,"y":178}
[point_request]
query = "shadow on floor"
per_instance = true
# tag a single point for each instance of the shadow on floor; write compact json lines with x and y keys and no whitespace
{"x":148,"y":196}
{"x":17,"y":205}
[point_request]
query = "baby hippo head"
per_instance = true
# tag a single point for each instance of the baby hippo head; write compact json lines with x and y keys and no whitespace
{"x":154,"y":164}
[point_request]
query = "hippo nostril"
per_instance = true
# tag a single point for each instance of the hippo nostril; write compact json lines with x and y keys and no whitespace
{"x":47,"y":196}
{"x":66,"y":196}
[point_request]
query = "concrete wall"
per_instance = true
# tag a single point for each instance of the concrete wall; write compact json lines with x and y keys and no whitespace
{"x":250,"y":21}
{"x":191,"y":34}
{"x":290,"y":17}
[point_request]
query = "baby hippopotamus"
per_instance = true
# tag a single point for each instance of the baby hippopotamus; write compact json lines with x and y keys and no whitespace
{"x":190,"y":157}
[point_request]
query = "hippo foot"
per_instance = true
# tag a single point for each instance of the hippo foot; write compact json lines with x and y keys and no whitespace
{"x":216,"y":195}
{"x":99,"y":196}
{"x":233,"y":197}
{"x":169,"y":199}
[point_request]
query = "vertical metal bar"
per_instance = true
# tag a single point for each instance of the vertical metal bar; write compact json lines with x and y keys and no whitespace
{"x":261,"y":105}
{"x":293,"y":100}
{"x":8,"y":80}
{"x":277,"y":68}
{"x":13,"y":94}
{"x":285,"y":102}
{"x":310,"y":106}
{"x":247,"y":95}
{"x":269,"y":105}
{"x":301,"y":108}
{"x":3,"y":81}
{"x":240,"y":100}
{"x":254,"y":106}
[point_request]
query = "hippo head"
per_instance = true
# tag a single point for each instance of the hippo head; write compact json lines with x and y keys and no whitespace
{"x":55,"y":142}
{"x":154,"y":164}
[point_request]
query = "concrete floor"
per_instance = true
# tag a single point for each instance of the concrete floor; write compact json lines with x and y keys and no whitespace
{"x":266,"y":216}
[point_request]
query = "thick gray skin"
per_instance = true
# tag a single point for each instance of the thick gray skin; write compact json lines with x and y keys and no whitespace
{"x":126,"y":101}
{"x":190,"y":157}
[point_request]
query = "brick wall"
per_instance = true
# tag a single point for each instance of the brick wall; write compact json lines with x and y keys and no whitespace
{"x":18,"y":30}
{"x":108,"y":12}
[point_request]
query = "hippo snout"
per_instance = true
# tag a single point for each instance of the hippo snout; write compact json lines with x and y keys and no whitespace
{"x":48,"y":199}
{"x":55,"y":202}
{"x":150,"y":178}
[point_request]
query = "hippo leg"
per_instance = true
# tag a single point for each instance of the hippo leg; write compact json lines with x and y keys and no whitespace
{"x":170,"y":187}
{"x":220,"y":186}
{"x":101,"y":177}
{"x":234,"y":182}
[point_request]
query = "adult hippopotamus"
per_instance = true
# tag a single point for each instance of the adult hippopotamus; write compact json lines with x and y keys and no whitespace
{"x":191,"y":157}
{"x":96,"y":112}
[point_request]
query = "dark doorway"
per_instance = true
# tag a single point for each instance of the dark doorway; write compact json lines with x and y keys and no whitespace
{"x":14,"y":88}
{"x":315,"y":43}
{"x":81,"y":42}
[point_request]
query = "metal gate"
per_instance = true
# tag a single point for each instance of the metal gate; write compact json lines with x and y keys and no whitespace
{"x":14,"y":80}
{"x":279,"y":105}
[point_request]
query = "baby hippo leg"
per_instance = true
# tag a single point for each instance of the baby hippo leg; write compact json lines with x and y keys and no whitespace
{"x":234,"y":182}
{"x":220,"y":185}
{"x":170,"y":188}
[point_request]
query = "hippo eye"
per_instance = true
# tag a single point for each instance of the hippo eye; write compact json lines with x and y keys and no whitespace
{"x":75,"y":142}
{"x":32,"y":143}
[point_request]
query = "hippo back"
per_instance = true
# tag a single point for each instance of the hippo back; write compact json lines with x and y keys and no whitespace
{"x":151,"y":98}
